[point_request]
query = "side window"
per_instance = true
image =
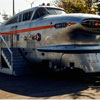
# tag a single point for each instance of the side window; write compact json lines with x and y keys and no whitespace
{"x":20,"y":18}
{"x":39,"y":13}
{"x":12,"y":21}
{"x":27,"y":16}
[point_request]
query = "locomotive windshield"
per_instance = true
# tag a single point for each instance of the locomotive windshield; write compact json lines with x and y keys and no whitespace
{"x":55,"y":11}
{"x":47,"y":11}
{"x":40,"y":12}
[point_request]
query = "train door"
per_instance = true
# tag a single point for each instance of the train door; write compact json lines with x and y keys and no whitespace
{"x":13,"y":37}
{"x":12,"y":26}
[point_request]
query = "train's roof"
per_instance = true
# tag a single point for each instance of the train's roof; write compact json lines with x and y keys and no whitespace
{"x":30,"y":9}
{"x":36,"y":7}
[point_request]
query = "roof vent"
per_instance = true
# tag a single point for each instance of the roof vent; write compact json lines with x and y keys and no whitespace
{"x":43,"y":4}
{"x":48,"y":4}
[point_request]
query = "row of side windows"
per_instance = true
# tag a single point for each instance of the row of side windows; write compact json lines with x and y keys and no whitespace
{"x":27,"y":16}
{"x":22,"y":17}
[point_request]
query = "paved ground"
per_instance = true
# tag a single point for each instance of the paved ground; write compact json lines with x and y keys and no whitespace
{"x":46,"y":87}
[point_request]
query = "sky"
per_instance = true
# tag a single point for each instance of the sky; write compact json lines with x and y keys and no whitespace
{"x":6,"y":5}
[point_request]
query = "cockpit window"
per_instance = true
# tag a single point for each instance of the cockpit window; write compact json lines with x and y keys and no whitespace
{"x":40,"y":12}
{"x":55,"y":11}
{"x":36,"y":15}
{"x":43,"y":12}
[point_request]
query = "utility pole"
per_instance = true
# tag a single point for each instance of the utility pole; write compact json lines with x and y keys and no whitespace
{"x":13,"y":7}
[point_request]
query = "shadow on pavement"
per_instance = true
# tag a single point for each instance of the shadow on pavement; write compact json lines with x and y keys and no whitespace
{"x":40,"y":85}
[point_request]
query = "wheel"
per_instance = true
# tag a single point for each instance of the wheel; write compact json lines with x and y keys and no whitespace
{"x":56,"y":68}
{"x":53,"y":66}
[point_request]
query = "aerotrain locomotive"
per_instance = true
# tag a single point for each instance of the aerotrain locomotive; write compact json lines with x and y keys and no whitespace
{"x":46,"y":34}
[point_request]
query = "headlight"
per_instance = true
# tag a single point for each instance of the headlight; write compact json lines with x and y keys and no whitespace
{"x":91,"y":23}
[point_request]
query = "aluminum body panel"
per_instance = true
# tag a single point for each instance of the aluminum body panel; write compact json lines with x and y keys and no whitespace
{"x":53,"y":32}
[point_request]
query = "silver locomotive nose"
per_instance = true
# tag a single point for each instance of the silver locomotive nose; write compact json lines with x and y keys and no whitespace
{"x":88,"y":31}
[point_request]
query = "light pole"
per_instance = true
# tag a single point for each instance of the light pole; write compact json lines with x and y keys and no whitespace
{"x":13,"y":7}
{"x":11,"y":35}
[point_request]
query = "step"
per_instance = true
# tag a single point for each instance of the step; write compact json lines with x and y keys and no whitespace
{"x":6,"y":51}
{"x":14,"y":56}
{"x":13,"y":50}
{"x":7,"y":55}
{"x":10,"y":48}
{"x":16,"y":61}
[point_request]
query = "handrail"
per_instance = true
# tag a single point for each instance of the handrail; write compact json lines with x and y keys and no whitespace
{"x":7,"y":49}
{"x":6,"y":45}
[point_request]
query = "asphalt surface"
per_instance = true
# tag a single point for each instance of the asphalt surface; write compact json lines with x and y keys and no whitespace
{"x":45,"y":86}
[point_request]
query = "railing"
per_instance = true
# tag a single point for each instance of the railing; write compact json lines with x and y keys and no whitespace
{"x":11,"y":53}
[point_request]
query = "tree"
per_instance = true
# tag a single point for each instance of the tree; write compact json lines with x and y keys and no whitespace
{"x":75,"y":6}
{"x":97,"y":6}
